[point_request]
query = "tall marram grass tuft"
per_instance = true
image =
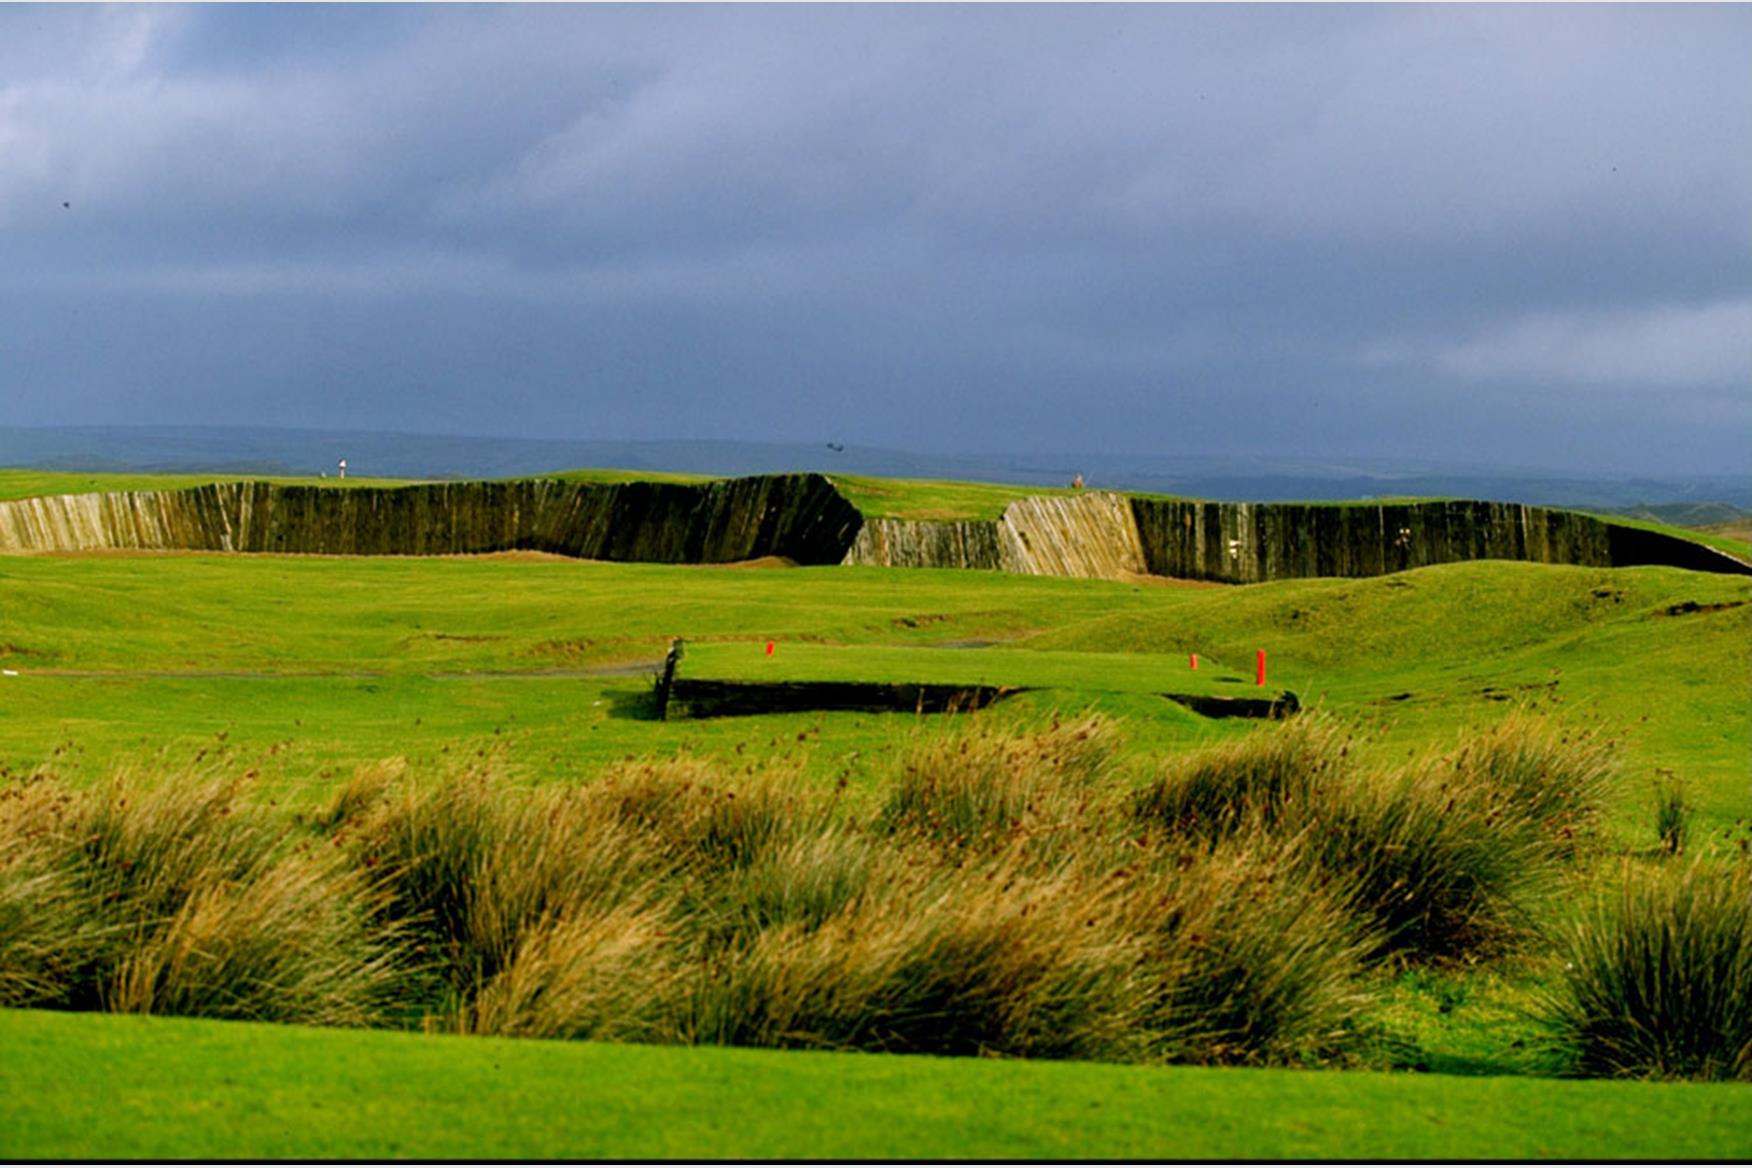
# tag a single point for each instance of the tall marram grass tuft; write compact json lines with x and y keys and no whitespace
{"x":804,"y":882}
{"x":1442,"y":868}
{"x":354,"y":799}
{"x":1557,"y":776}
{"x":178,"y":896}
{"x":981,"y":788}
{"x":1672,"y":813}
{"x":985,"y":959}
{"x":1251,"y":959}
{"x":1658,"y":982}
{"x":1006,"y":895}
{"x":696,"y":813}
{"x":603,"y":975}
{"x":1436,"y":860}
{"x":291,"y":942}
{"x":474,"y":865}
{"x":46,"y":934}
{"x":1277,"y":773}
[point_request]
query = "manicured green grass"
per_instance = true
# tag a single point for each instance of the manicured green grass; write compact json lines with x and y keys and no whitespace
{"x":1084,"y":673}
{"x":298,"y":613}
{"x":1433,"y":652}
{"x":24,"y":484}
{"x":337,"y":662}
{"x":932,"y":499}
{"x":348,"y":660}
{"x":103,"y":1087}
{"x":594,"y":475}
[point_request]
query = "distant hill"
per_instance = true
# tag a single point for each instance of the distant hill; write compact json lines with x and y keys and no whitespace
{"x":1694,"y":500}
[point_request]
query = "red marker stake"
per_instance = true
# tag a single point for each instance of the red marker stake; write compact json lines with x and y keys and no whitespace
{"x":1195,"y":660}
{"x":769,"y":648}
{"x":1261,"y":669}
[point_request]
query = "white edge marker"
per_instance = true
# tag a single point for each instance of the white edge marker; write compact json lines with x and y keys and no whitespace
{"x":9,"y":672}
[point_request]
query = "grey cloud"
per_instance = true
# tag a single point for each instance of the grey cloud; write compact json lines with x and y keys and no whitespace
{"x":1699,"y":346}
{"x":1032,"y":226}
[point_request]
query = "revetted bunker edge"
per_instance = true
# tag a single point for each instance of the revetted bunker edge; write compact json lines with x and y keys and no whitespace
{"x":806,"y":519}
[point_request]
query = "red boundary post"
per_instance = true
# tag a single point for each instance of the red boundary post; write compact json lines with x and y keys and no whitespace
{"x":1261,"y":668}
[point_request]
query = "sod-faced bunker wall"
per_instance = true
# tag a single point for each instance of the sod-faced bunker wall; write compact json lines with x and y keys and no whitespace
{"x":804,"y":518}
{"x":801,"y":517}
{"x":1111,"y":536}
{"x":1246,"y":542}
{"x":1093,"y":535}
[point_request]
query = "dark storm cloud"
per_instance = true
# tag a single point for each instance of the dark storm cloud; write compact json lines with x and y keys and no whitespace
{"x":1474,"y":232}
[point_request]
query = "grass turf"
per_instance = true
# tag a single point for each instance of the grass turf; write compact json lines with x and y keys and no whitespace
{"x":24,"y":484}
{"x":332,"y":662}
{"x":107,"y":1087}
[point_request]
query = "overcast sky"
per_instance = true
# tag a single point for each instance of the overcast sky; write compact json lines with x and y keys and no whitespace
{"x":1514,"y":235}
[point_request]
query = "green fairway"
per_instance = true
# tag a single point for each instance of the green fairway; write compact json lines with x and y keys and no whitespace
{"x":24,"y":484}
{"x":102,"y":1087}
{"x":930,"y":499}
{"x":330,"y":662}
{"x":1090,"y":673}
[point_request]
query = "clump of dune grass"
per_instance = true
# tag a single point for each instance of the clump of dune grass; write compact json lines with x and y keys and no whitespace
{"x":805,"y":882}
{"x":1440,"y":868}
{"x":1557,"y":776}
{"x":1278,"y":773}
{"x":1236,"y":955}
{"x":473,"y":863}
{"x":45,"y":933}
{"x":1007,"y":896}
{"x":1657,"y":981}
{"x":695,"y":812}
{"x":1250,"y":959}
{"x":36,"y":944}
{"x":1436,"y":859}
{"x":1672,"y":813}
{"x":986,"y":959}
{"x":979,"y":789}
{"x":369,"y":785}
{"x":607,"y":975}
{"x":292,"y":942}
{"x":178,"y":896}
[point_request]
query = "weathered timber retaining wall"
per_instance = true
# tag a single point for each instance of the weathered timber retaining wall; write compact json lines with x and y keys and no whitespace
{"x":804,"y":518}
{"x":690,"y":697}
{"x":1245,"y":542}
{"x":927,"y":543}
{"x":1093,"y":535}
{"x":1281,"y":705}
{"x":801,"y":517}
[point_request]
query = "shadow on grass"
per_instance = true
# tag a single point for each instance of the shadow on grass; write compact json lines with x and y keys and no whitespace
{"x":632,"y":703}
